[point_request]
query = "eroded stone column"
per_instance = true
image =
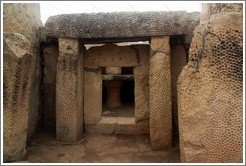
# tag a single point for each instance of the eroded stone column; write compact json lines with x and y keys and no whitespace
{"x":18,"y":69}
{"x":160,"y":93}
{"x":69,"y":95}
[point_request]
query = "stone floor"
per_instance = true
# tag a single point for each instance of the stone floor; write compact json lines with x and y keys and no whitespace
{"x":127,"y":110}
{"x":98,"y":148}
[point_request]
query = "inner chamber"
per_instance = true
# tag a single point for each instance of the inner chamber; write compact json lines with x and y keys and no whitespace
{"x":118,"y":92}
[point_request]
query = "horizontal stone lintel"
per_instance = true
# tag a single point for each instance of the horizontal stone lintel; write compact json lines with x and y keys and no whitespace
{"x":117,"y":77}
{"x":117,"y":24}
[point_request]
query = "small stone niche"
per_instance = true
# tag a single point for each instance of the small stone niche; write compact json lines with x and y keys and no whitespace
{"x":118,"y":92}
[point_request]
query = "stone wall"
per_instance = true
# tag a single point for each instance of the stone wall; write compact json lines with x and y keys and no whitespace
{"x":24,"y":18}
{"x":210,"y":89}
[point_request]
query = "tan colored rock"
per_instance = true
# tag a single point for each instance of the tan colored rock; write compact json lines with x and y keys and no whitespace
{"x":210,"y":92}
{"x":113,"y":70}
{"x":193,"y":21}
{"x":160,"y":103}
{"x":119,"y":125}
{"x":209,"y":9}
{"x":18,"y":69}
{"x":69,"y":91}
{"x":141,"y":82}
{"x":122,"y":24}
{"x":92,"y":95}
{"x":111,"y":55}
{"x":24,"y":18}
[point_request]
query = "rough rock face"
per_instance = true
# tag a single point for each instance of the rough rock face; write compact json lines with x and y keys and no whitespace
{"x":209,"y":9}
{"x":122,"y":24}
{"x":210,"y":92}
{"x":160,"y":103}
{"x":18,"y":69}
{"x":193,"y":21}
{"x":24,"y":18}
{"x":69,"y":91}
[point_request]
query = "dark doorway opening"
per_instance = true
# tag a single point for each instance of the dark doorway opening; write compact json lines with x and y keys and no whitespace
{"x":127,"y":100}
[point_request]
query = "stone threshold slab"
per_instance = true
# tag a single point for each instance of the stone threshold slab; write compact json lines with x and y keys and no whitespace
{"x":119,"y":125}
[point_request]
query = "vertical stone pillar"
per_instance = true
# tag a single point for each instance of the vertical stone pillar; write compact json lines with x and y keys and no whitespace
{"x":160,"y":93}
{"x":69,"y":91}
{"x":18,"y":68}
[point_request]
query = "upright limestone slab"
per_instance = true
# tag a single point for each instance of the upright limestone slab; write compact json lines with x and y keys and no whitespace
{"x":18,"y":68}
{"x":141,"y":81}
{"x":93,"y":95}
{"x":24,"y":18}
{"x":160,"y":93}
{"x":210,"y":92}
{"x":69,"y":95}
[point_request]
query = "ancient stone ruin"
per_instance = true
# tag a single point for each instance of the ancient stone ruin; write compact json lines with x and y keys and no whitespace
{"x":176,"y":77}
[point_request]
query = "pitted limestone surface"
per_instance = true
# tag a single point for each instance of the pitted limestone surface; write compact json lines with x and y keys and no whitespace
{"x":24,"y":18}
{"x":68,"y":111}
{"x":160,"y":94}
{"x":111,"y":55}
{"x":141,"y":78}
{"x":209,"y":9}
{"x":122,"y":24}
{"x":18,"y":66}
{"x":210,"y":93}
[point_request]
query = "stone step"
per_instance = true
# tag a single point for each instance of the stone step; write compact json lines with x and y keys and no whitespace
{"x":119,"y":125}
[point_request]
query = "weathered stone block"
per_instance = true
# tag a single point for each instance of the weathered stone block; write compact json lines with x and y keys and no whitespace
{"x":122,"y":24}
{"x":160,"y":103}
{"x":141,"y":82}
{"x":193,"y":21}
{"x":69,"y":91}
{"x":119,"y":125}
{"x":18,"y":68}
{"x":209,"y":9}
{"x":93,"y":95}
{"x":111,"y":55}
{"x":210,"y":92}
{"x":126,"y":125}
{"x":24,"y":18}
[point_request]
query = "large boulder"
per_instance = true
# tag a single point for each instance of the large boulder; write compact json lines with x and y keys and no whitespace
{"x":210,"y":92}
